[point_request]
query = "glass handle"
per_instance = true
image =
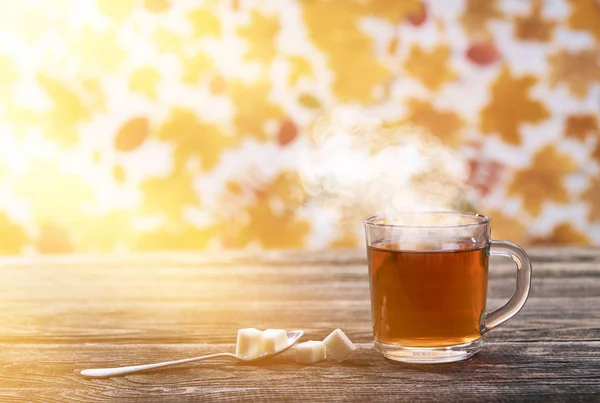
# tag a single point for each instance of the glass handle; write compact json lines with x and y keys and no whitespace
{"x":516,"y":302}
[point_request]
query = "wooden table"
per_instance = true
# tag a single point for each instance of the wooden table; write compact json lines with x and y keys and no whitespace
{"x":59,"y":315}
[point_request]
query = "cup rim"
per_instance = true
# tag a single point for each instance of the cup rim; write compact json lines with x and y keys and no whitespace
{"x":481,"y":219}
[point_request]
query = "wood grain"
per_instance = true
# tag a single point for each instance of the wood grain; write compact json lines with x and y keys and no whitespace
{"x":536,"y":371}
{"x":62,"y":314}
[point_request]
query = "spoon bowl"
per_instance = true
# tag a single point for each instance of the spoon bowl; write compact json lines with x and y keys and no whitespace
{"x":293,"y":337}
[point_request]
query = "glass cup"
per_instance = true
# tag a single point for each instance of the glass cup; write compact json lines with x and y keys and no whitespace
{"x":428,"y":276}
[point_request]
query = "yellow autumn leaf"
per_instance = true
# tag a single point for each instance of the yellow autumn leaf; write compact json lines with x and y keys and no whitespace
{"x":562,"y":234}
{"x":99,"y":48}
{"x":596,"y":152}
{"x":205,"y":22}
{"x":53,"y":238}
{"x":260,"y":35}
{"x":169,"y":195}
{"x":14,"y":238}
{"x":144,"y":80}
{"x":53,"y":194}
{"x":578,"y":70}
{"x":299,"y":67}
{"x":533,"y":27}
{"x":234,"y":188}
{"x":507,"y":227}
{"x":21,"y":119}
{"x":432,"y":67}
{"x":217,"y":85}
{"x":30,"y":21}
{"x":445,"y":124}
{"x":116,"y":9}
{"x":309,"y":101}
{"x":8,"y":75}
{"x":253,"y":107}
{"x":585,"y":15}
{"x":119,"y":173}
{"x":287,"y":186}
{"x":94,"y":93}
{"x":391,"y":11}
{"x":167,"y":41}
{"x":67,"y":111}
{"x":270,"y":229}
{"x":543,"y":180}
{"x":96,"y":156}
{"x":195,"y":67}
{"x":393,"y":46}
{"x":477,"y":16}
{"x":193,"y":138}
{"x":132,"y":134}
{"x":580,"y":127}
{"x":261,"y":223}
{"x":157,"y":6}
{"x":592,"y":196}
{"x":511,"y":106}
{"x":350,"y":53}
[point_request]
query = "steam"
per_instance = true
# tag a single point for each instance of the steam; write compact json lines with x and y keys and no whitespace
{"x":359,"y":167}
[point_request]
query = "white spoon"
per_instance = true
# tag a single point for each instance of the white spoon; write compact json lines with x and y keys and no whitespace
{"x":292,"y":336}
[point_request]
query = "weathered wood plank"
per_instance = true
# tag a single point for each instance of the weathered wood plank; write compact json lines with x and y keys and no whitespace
{"x":542,"y":371}
{"x":167,"y":283}
{"x":197,"y":322}
{"x":207,"y":304}
{"x":60,"y":314}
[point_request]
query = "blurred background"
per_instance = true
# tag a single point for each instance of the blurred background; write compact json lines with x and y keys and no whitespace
{"x":134,"y":125}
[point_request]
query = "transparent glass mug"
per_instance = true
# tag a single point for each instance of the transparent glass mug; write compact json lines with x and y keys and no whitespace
{"x":428,"y":278}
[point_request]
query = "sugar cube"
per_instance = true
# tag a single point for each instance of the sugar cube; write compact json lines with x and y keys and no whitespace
{"x":274,"y":340}
{"x":339,"y":345}
{"x":249,"y":343}
{"x":310,"y":352}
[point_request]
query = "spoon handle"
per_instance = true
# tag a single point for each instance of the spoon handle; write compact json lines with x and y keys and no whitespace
{"x":104,"y":372}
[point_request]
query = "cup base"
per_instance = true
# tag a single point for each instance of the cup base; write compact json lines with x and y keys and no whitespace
{"x":435,"y":355}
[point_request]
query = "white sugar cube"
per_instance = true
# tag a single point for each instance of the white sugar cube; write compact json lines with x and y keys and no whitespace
{"x":274,"y":340}
{"x":310,"y":352}
{"x":339,"y":345}
{"x":249,"y":343}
